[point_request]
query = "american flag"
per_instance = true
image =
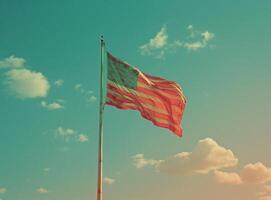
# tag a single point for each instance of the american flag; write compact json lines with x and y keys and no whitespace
{"x":159,"y":100}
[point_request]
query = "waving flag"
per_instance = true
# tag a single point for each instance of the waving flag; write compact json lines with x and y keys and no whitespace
{"x":158,"y":100}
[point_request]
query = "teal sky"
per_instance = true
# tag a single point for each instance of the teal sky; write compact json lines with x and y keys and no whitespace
{"x":218,"y":51}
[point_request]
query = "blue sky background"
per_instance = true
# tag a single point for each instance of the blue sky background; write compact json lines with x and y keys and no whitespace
{"x":227,"y":85}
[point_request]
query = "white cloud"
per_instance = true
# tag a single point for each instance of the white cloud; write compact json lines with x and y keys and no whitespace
{"x":59,"y":82}
{"x":3,"y":190}
{"x":160,"y":40}
{"x":88,"y":94}
{"x":192,"y":32}
{"x":52,"y":106}
{"x":42,"y":190}
{"x":190,"y":26}
{"x":109,"y":181}
{"x":207,"y":156}
{"x":251,"y":173}
{"x":159,"y":45}
{"x":201,"y":42}
{"x":24,"y":83}
{"x":92,"y":99}
{"x":82,"y":138}
{"x":207,"y":36}
{"x":157,"y":42}
{"x":12,"y":62}
{"x":68,"y":134}
{"x":194,"y":45}
{"x":79,"y":87}
{"x":47,"y":169}
{"x":140,"y":161}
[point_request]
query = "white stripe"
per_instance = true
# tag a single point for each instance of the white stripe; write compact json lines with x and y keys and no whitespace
{"x":160,"y":120}
{"x":151,"y":107}
{"x":138,"y":93}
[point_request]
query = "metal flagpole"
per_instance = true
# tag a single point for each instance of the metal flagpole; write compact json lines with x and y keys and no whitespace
{"x":100,"y":151}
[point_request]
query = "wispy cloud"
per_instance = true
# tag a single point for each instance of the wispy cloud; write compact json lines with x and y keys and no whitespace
{"x":158,"y":42}
{"x":91,"y":99}
{"x":82,"y":138}
{"x":88,"y":94}
{"x":206,"y":156}
{"x":65,"y":133}
{"x":68,"y":134}
{"x":42,"y":190}
{"x":199,"y":39}
{"x":159,"y":45}
{"x":59,"y":83}
{"x":52,"y":106}
{"x":140,"y":161}
{"x":78,"y":87}
{"x":47,"y":169}
{"x":109,"y":181}
{"x":12,"y":62}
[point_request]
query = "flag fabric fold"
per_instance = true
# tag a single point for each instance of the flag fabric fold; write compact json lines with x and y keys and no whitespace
{"x":159,"y":100}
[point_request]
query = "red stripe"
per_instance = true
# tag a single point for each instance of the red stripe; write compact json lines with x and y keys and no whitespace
{"x":150,"y":101}
{"x":152,"y":92}
{"x":174,"y":128}
{"x":155,"y":77}
{"x":172,"y":97}
{"x":177,"y":130}
{"x":164,"y":98}
{"x":122,"y":106}
{"x":173,"y":94}
{"x":121,"y":103}
{"x":154,"y":86}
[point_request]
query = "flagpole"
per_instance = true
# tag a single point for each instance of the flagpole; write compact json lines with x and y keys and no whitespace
{"x":100,"y":150}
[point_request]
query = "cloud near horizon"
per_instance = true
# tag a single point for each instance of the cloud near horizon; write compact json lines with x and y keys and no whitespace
{"x":251,"y":173}
{"x":265,"y":193}
{"x":265,"y":198}
{"x":206,"y":156}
